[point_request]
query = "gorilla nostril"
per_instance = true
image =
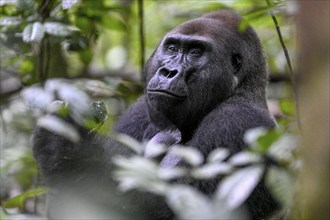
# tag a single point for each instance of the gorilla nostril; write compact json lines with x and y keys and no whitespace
{"x":168,"y":73}
{"x":172,"y":73}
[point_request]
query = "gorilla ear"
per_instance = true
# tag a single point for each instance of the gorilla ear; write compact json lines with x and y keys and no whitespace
{"x":236,"y":62}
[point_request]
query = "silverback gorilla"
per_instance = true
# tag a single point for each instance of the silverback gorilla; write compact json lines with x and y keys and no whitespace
{"x":205,"y":86}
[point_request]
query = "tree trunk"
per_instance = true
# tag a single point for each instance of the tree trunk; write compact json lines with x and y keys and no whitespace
{"x":313,"y":103}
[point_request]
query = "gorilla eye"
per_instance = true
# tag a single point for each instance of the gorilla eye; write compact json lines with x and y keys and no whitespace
{"x":172,"y":48}
{"x":196,"y":52}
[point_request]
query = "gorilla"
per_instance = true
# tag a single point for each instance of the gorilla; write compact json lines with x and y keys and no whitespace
{"x":205,"y":86}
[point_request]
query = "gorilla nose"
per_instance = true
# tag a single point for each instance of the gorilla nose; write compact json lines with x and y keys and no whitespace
{"x":168,"y":73}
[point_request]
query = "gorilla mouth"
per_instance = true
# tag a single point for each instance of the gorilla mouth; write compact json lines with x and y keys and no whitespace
{"x":166,"y":93}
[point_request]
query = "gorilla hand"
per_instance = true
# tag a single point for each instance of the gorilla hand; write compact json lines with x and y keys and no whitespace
{"x":167,"y":138}
{"x":62,"y":142}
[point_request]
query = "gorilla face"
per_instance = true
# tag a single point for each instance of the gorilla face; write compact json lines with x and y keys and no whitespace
{"x":191,"y":71}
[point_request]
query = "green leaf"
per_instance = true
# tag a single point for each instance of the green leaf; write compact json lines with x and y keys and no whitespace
{"x":27,"y":6}
{"x":171,"y":173}
{"x":83,"y":23}
{"x":59,"y":127}
{"x":245,"y":158}
{"x":189,"y":203}
{"x":251,"y":135}
{"x":58,"y":107}
{"x":261,"y":139}
{"x":8,"y":2}
{"x":218,"y":155}
{"x":288,"y":107}
{"x":78,"y":101}
{"x":18,"y":201}
{"x":113,"y":23}
{"x":236,"y":188}
{"x":282,"y":185}
{"x":3,"y":215}
{"x":67,"y":4}
{"x":285,"y":149}
{"x":57,"y":29}
{"x":86,"y":56}
{"x":10,"y":21}
{"x":154,"y":149}
{"x":27,"y":66}
{"x":266,"y":140}
{"x":211,"y":170}
{"x":130,"y":142}
{"x":33,"y":32}
{"x":37,"y":98}
{"x":138,"y":172}
{"x":99,"y":111}
{"x":189,"y":154}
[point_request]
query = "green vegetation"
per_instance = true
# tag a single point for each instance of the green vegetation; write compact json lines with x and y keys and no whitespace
{"x":95,"y":48}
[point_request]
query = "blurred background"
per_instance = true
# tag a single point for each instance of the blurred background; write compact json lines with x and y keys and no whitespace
{"x":100,"y":47}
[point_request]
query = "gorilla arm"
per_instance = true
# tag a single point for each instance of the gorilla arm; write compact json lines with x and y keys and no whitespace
{"x":61,"y":160}
{"x":84,"y":169}
{"x":225,"y":127}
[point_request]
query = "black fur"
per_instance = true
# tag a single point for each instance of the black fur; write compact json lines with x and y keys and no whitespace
{"x":205,"y":86}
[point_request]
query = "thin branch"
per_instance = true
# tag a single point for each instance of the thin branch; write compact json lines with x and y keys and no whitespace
{"x":285,"y":50}
{"x":287,"y":57}
{"x":141,"y":33}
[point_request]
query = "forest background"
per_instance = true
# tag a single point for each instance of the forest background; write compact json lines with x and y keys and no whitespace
{"x":99,"y":48}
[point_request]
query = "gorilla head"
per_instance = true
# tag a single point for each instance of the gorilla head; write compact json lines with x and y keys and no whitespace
{"x":198,"y":65}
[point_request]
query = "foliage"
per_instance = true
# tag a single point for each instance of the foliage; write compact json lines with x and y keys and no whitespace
{"x":18,"y":201}
{"x":94,"y":43}
{"x":275,"y":163}
{"x":49,"y":26}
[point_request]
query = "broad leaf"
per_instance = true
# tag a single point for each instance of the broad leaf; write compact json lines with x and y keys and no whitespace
{"x":57,"y":29}
{"x":10,"y":21}
{"x":18,"y":201}
{"x":130,"y":142}
{"x":36,"y":97}
{"x":171,"y":173}
{"x":59,"y":127}
{"x":251,"y":135}
{"x":138,"y":172}
{"x":266,"y":140}
{"x":78,"y":101}
{"x":218,"y":155}
{"x":245,"y":158}
{"x":34,"y":32}
{"x":188,"y":203}
{"x":211,"y":170}
{"x":285,"y":149}
{"x":189,"y":154}
{"x":261,"y":139}
{"x":99,"y":111}
{"x":67,"y":4}
{"x":236,"y":188}
{"x":154,"y":149}
{"x":288,"y":107}
{"x":281,"y":185}
{"x":8,"y":2}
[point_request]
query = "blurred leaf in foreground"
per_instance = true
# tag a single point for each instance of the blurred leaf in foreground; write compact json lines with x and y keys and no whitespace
{"x":18,"y":201}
